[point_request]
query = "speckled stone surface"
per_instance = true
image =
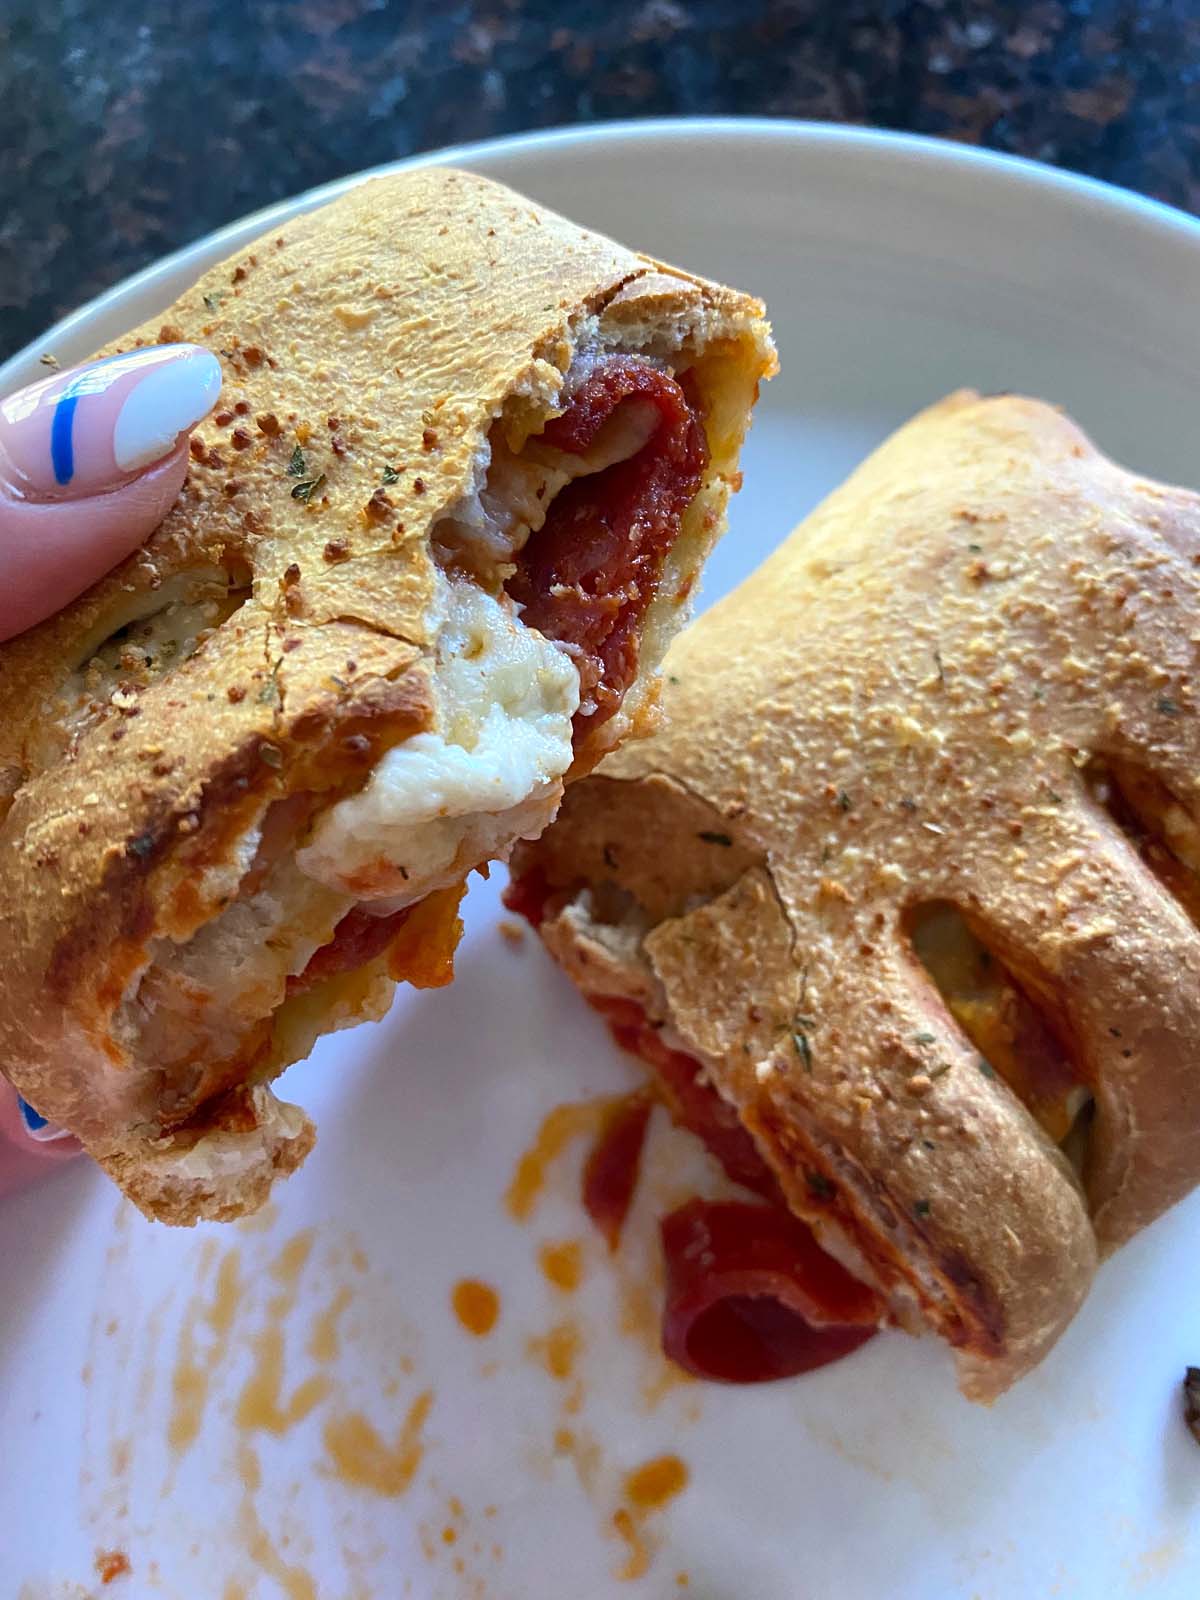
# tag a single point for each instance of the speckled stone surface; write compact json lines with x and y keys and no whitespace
{"x":128,"y":129}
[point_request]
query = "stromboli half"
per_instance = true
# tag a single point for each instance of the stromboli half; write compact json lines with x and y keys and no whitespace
{"x":468,"y":461}
{"x":910,"y":870}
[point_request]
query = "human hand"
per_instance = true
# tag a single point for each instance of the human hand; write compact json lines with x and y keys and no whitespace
{"x":91,"y":460}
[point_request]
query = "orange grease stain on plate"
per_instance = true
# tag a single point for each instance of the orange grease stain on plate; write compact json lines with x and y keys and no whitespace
{"x":583,"y":1452}
{"x":648,"y":1489}
{"x":325,"y":1342}
{"x":295,"y":1582}
{"x":260,"y":1404}
{"x":562,"y":1264}
{"x":360,"y":1457}
{"x":651,"y":1485}
{"x":112,"y":1564}
{"x":638,"y":1561}
{"x":476,"y":1305}
{"x":194,"y":1370}
{"x":559,"y":1350}
{"x":559,"y":1129}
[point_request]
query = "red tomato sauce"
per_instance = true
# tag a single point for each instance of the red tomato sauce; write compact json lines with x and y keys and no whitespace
{"x":358,"y":938}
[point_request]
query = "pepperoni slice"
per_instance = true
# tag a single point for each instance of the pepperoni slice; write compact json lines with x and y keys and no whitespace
{"x":752,"y":1297}
{"x":587,"y":578}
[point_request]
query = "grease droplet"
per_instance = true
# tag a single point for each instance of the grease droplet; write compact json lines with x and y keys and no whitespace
{"x":476,"y":1305}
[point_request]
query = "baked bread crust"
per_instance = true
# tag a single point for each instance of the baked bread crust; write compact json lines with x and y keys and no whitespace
{"x":902,"y":707}
{"x":381,"y":336}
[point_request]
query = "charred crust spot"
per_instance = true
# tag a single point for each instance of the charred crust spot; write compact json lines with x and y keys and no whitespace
{"x":293,"y":600}
{"x":989,"y":1317}
{"x":378,"y":506}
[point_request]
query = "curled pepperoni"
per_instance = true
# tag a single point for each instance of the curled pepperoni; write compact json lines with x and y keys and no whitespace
{"x":587,"y":578}
{"x":752,"y":1297}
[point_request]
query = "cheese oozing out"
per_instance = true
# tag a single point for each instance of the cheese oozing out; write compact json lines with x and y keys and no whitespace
{"x":489,"y":772}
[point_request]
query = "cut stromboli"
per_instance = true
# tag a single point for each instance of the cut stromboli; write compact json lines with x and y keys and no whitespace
{"x":908,"y":879}
{"x":468,"y":463}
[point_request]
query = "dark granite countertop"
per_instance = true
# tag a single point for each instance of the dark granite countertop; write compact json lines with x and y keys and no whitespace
{"x":127,"y":130}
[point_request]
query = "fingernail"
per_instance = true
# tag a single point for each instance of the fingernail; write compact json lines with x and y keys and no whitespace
{"x":36,"y":1125}
{"x":88,"y":430}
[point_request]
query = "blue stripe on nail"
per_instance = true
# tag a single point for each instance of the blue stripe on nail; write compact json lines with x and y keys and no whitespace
{"x":62,"y":448}
{"x":33,"y":1121}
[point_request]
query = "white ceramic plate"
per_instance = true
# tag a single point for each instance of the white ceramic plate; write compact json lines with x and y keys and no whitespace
{"x":895,"y":269}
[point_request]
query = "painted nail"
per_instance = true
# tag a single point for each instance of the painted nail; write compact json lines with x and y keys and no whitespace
{"x":36,"y":1125}
{"x":88,"y":430}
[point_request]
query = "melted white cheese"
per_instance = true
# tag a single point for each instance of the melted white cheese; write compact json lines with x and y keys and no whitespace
{"x":491,"y":771}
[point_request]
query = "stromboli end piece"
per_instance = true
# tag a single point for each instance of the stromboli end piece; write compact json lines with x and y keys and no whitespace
{"x":910,"y":869}
{"x":243,"y":778}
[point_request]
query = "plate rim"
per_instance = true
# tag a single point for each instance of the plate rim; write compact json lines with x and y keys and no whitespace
{"x":1167,"y":224}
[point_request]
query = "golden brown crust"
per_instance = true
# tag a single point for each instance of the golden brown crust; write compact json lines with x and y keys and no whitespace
{"x":385,"y":331}
{"x":902,"y":707}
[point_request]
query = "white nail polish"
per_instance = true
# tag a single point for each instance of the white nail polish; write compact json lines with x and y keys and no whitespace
{"x":172,"y":397}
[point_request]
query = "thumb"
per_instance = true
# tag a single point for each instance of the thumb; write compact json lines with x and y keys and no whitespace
{"x":91,"y":461}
